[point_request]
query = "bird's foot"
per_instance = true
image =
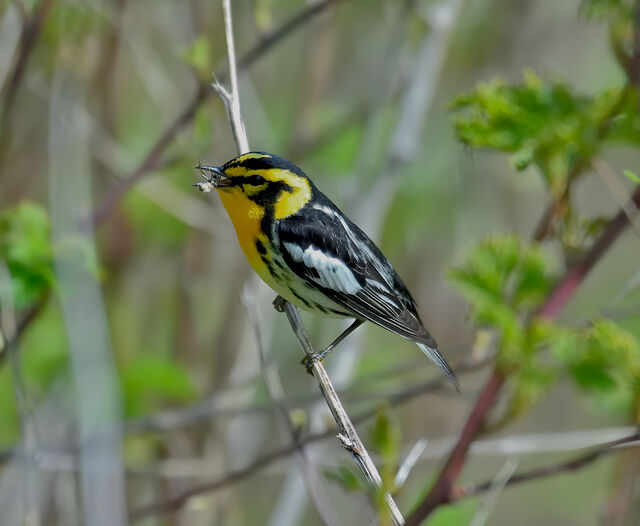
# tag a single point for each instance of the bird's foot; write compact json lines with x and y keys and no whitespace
{"x":310,"y":359}
{"x":278,"y":303}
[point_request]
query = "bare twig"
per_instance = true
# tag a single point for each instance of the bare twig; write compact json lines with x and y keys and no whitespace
{"x":154,"y":158}
{"x":23,"y":320}
{"x":275,"y":389}
{"x":496,"y":486}
{"x":31,"y":29}
{"x":233,"y":107}
{"x":347,"y":435}
{"x":556,"y":469}
{"x":618,"y":191}
{"x":410,"y":460}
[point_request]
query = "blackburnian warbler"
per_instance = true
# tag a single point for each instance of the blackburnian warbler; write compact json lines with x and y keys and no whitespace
{"x":310,"y":253}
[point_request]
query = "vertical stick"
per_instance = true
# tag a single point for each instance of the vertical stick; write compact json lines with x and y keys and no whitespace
{"x":348,"y":436}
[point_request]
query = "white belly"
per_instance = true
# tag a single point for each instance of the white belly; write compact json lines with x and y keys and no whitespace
{"x":295,"y":290}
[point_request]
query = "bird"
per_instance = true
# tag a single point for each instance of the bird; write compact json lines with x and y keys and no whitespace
{"x":304,"y":248}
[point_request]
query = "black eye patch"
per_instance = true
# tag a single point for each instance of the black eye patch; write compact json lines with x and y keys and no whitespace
{"x":253,"y":179}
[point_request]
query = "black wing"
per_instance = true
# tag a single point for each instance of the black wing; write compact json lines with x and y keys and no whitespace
{"x":333,"y":255}
{"x":337,"y":258}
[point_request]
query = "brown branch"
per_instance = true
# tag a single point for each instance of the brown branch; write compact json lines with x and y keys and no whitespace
{"x":442,"y":492}
{"x":31,"y":30}
{"x":442,"y":489}
{"x":154,"y":158}
{"x":567,"y":286}
{"x":22,"y":322}
{"x":555,"y":469}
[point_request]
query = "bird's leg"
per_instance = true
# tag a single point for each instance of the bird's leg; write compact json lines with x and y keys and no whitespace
{"x":310,"y":359}
{"x":278,"y":303}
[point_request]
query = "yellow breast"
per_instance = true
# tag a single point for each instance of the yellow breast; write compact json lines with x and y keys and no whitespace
{"x":246,"y":217}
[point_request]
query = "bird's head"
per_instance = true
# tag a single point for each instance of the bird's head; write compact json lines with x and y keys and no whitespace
{"x":261,"y":179}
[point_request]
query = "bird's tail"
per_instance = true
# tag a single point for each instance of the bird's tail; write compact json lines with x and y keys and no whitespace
{"x":435,"y":356}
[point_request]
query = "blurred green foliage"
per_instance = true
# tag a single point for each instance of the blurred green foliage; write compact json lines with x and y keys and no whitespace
{"x":198,"y":56}
{"x":25,"y":246}
{"x":544,"y":123}
{"x":151,"y":382}
{"x":604,"y":360}
{"x":609,"y":10}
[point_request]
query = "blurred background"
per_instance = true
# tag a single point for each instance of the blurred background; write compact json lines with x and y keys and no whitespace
{"x":141,"y":358}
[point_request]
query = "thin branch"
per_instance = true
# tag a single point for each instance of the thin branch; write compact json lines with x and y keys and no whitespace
{"x":618,"y":192}
{"x":568,"y":285}
{"x":348,"y":436}
{"x":409,"y":462}
{"x":23,"y":320}
{"x":9,"y":331}
{"x":31,"y":30}
{"x":275,"y":389}
{"x":153,"y":159}
{"x":555,"y":469}
{"x":233,"y":98}
{"x":495,"y":487}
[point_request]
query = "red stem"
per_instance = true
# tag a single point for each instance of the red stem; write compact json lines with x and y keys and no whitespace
{"x":441,"y":493}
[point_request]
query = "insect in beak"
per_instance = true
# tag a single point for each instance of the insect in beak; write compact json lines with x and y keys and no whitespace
{"x":214,"y":177}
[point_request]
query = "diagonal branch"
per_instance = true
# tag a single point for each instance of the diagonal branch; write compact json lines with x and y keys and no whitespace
{"x":348,"y":436}
{"x":273,"y":383}
{"x":154,"y":158}
{"x":31,"y":30}
{"x":556,"y":469}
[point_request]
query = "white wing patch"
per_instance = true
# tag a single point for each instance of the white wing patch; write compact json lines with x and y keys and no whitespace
{"x":333,"y":273}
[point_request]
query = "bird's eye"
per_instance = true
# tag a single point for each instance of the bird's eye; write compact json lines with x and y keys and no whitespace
{"x":255,"y":180}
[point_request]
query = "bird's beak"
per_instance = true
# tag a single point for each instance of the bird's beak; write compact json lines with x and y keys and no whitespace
{"x":214,"y":175}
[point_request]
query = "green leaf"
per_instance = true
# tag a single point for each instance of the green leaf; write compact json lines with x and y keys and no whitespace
{"x":25,"y":245}
{"x":532,"y":380}
{"x":603,"y":359}
{"x":633,"y":177}
{"x":385,"y":436}
{"x":504,"y":279}
{"x":150,"y":382}
{"x":500,"y":276}
{"x":455,"y":515}
{"x":198,"y":56}
{"x":347,"y":479}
